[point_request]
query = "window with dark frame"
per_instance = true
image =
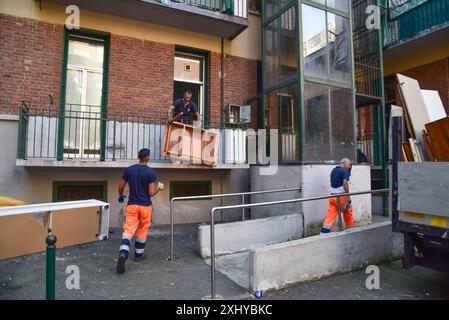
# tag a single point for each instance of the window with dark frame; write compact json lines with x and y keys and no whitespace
{"x":79,"y":190}
{"x":190,"y":188}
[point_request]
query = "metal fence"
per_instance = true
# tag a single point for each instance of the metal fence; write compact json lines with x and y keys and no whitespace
{"x":84,"y":132}
{"x":263,"y":204}
{"x":237,"y":8}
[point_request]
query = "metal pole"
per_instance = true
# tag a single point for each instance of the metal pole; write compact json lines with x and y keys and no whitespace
{"x":172,"y":240}
{"x":212,"y":253}
{"x":243,"y":209}
{"x":50,"y":266}
{"x":340,"y":222}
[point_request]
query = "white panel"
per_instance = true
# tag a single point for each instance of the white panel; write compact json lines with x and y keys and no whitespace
{"x":434,"y":105}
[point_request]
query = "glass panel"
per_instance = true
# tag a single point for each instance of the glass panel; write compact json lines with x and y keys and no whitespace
{"x":74,"y":88}
{"x":288,"y":129}
{"x":340,"y":58}
{"x":85,"y":53}
{"x":272,"y":6}
{"x":92,"y":113}
{"x":272,"y":53}
{"x":314,"y":41}
{"x":342,"y":119}
{"x":365,"y":134}
{"x":288,"y":44}
{"x":341,"y":5}
{"x":317,"y":129}
{"x":72,"y":123}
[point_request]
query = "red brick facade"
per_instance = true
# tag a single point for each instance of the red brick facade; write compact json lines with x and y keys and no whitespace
{"x":140,"y":71}
{"x":30,"y":61}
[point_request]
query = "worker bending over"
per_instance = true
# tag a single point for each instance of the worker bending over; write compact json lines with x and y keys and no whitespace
{"x":339,"y":185}
{"x":142,"y":186}
{"x":183,"y":110}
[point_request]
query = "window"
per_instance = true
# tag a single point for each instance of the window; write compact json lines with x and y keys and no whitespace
{"x":190,"y":188}
{"x":79,"y":190}
{"x":83,"y":94}
{"x":191,"y":73}
{"x":327,"y":48}
{"x":329,"y":123}
{"x":281,"y":60}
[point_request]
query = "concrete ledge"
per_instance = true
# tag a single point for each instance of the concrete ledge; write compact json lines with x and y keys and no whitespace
{"x":277,"y":266}
{"x":241,"y":236}
{"x":119,"y":164}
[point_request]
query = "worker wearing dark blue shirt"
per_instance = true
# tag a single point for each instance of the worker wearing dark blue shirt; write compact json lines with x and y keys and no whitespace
{"x":141,"y":180}
{"x":339,"y":180}
{"x":184,"y":110}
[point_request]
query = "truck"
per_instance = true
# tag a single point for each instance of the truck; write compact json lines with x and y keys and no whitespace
{"x":419,"y":204}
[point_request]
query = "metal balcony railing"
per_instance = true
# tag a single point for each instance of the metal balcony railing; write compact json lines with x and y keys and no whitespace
{"x":84,"y":132}
{"x":237,"y":8}
{"x":409,"y":19}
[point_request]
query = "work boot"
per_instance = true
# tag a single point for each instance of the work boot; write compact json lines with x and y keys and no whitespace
{"x":140,"y":258}
{"x":121,"y":264}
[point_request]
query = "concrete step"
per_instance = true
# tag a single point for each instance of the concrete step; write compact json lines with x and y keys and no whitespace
{"x":241,"y":236}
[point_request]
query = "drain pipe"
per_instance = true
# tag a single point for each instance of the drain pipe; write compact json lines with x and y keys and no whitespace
{"x":222,"y":81}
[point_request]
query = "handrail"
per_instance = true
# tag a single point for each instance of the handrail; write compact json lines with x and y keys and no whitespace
{"x":262,"y":204}
{"x":223,"y":195}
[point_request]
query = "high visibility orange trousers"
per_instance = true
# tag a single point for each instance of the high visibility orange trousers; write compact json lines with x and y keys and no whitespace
{"x":332,"y":213}
{"x":137,"y":219}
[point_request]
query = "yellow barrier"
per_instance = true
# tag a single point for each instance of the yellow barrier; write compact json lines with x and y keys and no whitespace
{"x":7,"y":201}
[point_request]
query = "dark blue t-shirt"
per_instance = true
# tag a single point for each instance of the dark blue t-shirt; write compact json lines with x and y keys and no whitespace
{"x":188,"y":111}
{"x":339,"y":174}
{"x":138,"y":178}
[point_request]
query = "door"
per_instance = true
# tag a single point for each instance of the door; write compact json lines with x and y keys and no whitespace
{"x":189,"y":75}
{"x":84,"y":88}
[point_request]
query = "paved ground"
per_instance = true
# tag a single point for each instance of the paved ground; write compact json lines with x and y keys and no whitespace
{"x":188,"y":277}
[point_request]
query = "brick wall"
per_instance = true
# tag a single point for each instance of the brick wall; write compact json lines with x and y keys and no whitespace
{"x":30,"y":61}
{"x":433,"y":76}
{"x":140,"y":71}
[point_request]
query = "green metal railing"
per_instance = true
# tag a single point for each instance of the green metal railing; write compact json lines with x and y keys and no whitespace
{"x":238,"y":8}
{"x":90,"y":134}
{"x":409,"y":19}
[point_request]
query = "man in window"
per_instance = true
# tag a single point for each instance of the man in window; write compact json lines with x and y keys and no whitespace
{"x":183,"y":110}
{"x":142,"y":186}
{"x":339,"y":185}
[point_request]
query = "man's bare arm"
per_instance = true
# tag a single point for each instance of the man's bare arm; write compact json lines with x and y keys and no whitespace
{"x":121,"y":187}
{"x":153,"y":189}
{"x":196,"y":116}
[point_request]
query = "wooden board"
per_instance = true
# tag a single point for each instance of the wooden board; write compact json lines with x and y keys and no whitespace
{"x":439,"y":138}
{"x":415,"y":105}
{"x":407,"y":153}
{"x":425,"y":137}
{"x":22,"y":234}
{"x":182,"y":142}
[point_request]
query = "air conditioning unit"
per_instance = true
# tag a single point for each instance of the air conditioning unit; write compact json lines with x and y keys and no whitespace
{"x":235,"y":114}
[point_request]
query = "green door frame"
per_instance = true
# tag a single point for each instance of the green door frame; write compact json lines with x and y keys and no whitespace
{"x":105,"y":37}
{"x":206,"y":56}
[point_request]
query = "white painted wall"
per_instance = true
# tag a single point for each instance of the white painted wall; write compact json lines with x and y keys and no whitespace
{"x":314,"y":181}
{"x":35,"y":184}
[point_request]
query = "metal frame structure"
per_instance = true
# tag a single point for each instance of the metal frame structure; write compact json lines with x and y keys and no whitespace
{"x":263,"y":204}
{"x":213,"y":196}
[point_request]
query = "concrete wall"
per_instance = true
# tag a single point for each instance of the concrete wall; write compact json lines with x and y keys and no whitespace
{"x":35,"y":184}
{"x":286,"y":177}
{"x":241,"y":236}
{"x":314,"y":181}
{"x":277,"y":266}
